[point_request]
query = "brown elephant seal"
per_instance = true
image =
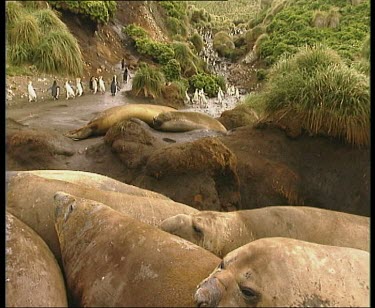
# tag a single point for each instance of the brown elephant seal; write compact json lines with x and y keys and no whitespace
{"x":113,"y":260}
{"x":30,"y":198}
{"x":221,"y":233}
{"x":90,"y":179}
{"x":107,"y":118}
{"x":182,"y":121}
{"x":33,"y":277}
{"x":284,"y":272}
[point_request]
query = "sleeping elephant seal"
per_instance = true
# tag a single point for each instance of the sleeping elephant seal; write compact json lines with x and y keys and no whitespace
{"x":221,"y":233}
{"x":109,"y":117}
{"x":284,"y":272}
{"x":30,"y":199}
{"x":33,"y":277}
{"x":113,"y":260}
{"x":182,"y":121}
{"x":89,"y":179}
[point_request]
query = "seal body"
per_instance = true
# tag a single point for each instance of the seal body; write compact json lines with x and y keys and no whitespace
{"x":221,"y":233}
{"x":284,"y":272}
{"x":33,"y":277}
{"x":29,"y":199}
{"x":109,"y":117}
{"x":113,"y":260}
{"x":182,"y":121}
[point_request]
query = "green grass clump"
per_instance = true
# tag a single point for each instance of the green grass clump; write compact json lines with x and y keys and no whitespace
{"x":209,"y":83}
{"x":19,"y":54}
{"x":13,"y":11}
{"x":97,"y":11}
{"x":189,"y":62}
{"x":172,"y":70}
{"x":59,"y":52}
{"x":223,"y":44}
{"x":197,"y":41}
{"x":49,"y":20}
{"x":25,"y":32}
{"x":320,"y":93}
{"x":148,"y":80}
{"x":335,"y":23}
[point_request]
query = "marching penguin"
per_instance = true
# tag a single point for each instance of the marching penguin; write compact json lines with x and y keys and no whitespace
{"x":101,"y":85}
{"x":94,"y":85}
{"x":31,"y":92}
{"x":55,"y":90}
{"x":187,"y":98}
{"x":114,"y":85}
{"x":195,"y":99}
{"x":126,"y":75}
{"x":79,"y":87}
{"x":69,"y":91}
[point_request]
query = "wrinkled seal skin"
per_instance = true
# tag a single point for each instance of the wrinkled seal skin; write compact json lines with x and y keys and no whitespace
{"x":182,"y":121}
{"x":109,"y":117}
{"x":284,"y":272}
{"x":221,"y":233}
{"x":33,"y":277}
{"x":112,"y":260}
{"x":89,"y":179}
{"x":30,"y":198}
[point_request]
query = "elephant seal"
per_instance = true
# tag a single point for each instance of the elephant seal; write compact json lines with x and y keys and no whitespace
{"x":30,"y":198}
{"x":33,"y":277}
{"x":284,"y":272}
{"x":109,"y":117}
{"x":113,"y":260}
{"x":182,"y":121}
{"x":221,"y":233}
{"x":89,"y":179}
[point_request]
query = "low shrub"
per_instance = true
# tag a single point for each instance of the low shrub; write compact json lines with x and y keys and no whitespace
{"x":197,"y":41}
{"x":172,"y":70}
{"x":223,"y":44}
{"x":148,"y":80}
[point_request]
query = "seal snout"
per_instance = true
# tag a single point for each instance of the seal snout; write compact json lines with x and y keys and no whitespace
{"x":175,"y":223}
{"x":64,"y":204}
{"x":208,"y":293}
{"x":156,"y":122}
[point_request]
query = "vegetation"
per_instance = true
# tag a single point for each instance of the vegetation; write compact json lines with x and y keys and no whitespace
{"x":316,"y":89}
{"x":39,"y":37}
{"x":197,"y":41}
{"x":176,"y":20}
{"x":148,"y":80}
{"x":172,"y":70}
{"x":97,"y":11}
{"x":336,"y":23}
{"x":209,"y":83}
{"x":223,"y":44}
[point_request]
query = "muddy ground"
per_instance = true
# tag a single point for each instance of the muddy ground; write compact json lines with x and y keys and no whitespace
{"x":263,"y":167}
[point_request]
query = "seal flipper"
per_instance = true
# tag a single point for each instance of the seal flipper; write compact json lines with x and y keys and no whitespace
{"x":81,"y":133}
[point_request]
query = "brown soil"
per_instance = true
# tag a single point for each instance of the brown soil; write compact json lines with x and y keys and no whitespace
{"x":272,"y":168}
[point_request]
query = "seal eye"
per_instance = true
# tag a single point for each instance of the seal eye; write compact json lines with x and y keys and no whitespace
{"x":197,"y":230}
{"x":249,"y":294}
{"x":221,"y":265}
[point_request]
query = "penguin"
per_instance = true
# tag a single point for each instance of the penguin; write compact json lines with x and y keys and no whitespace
{"x":55,"y":90}
{"x":187,"y":98}
{"x":94,"y":85}
{"x":31,"y":92}
{"x":126,"y":75}
{"x":114,"y":85}
{"x":101,"y":85}
{"x":91,"y":83}
{"x":237,"y":94}
{"x":69,"y":91}
{"x":79,"y":88}
{"x":195,"y":99}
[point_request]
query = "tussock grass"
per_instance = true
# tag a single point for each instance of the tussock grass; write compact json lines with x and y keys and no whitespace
{"x":14,"y":12}
{"x":25,"y":32}
{"x":49,"y":20}
{"x":149,"y":80}
{"x":320,"y":93}
{"x":187,"y":59}
{"x":18,"y":54}
{"x":59,"y":52}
